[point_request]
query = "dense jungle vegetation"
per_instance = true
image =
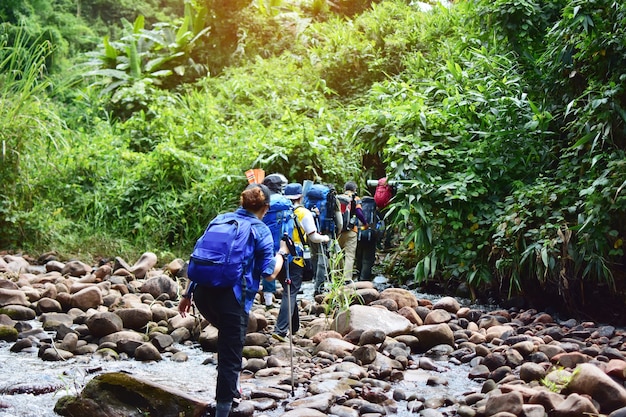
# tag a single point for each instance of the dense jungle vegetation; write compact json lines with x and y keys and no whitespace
{"x":125,"y":125}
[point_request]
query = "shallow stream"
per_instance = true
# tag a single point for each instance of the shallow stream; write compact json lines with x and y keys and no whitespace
{"x":26,"y":372}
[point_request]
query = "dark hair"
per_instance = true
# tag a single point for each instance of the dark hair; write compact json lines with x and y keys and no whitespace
{"x":254,"y":197}
{"x":350,"y":186}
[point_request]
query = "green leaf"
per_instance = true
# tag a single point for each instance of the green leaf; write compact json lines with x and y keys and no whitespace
{"x":139,"y":24}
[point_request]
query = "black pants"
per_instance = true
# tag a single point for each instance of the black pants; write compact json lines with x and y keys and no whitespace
{"x":365,"y":255}
{"x":220,"y":307}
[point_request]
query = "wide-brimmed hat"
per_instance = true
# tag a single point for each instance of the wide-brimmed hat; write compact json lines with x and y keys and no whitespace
{"x":293,"y":191}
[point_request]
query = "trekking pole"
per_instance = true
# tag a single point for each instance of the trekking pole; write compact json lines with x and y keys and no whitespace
{"x":288,"y":282}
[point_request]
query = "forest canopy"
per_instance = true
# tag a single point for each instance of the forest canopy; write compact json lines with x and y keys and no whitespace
{"x":127,"y":124}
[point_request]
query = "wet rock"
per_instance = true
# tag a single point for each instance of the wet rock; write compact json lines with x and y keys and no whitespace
{"x":320,"y":402}
{"x":449,"y":304}
{"x":254,"y":352}
{"x":119,"y":394}
{"x":304,"y":412}
{"x":365,"y":354}
{"x":337,"y":347}
{"x":432,"y":335}
{"x":147,"y":352}
{"x":411,"y":315}
{"x":18,"y":312}
{"x":162,"y":284}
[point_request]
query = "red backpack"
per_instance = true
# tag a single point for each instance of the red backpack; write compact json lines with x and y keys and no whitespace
{"x":383,"y":193}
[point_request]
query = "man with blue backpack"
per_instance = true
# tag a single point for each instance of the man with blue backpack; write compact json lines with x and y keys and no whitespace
{"x":280,"y":220}
{"x":322,"y":201}
{"x":305,"y":234}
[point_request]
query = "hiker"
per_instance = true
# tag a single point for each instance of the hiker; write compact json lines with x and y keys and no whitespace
{"x":278,"y":222}
{"x":367,"y":240}
{"x":227,"y":308}
{"x":352,"y":214}
{"x":321,"y":200}
{"x":305,"y":231}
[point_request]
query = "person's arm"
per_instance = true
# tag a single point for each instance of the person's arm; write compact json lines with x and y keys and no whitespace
{"x":338,"y":216}
{"x":359,"y":212}
{"x":185,"y":303}
{"x":310,"y":229}
{"x":280,"y":259}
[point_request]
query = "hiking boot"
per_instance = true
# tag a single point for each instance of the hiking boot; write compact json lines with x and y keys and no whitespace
{"x":279,"y":337}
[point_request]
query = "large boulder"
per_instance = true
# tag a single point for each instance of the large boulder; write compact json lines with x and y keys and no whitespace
{"x":591,"y":380}
{"x":121,"y":395}
{"x":362,"y":318}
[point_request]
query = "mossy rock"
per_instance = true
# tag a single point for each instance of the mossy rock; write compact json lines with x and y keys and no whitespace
{"x":8,"y":333}
{"x":118,"y":394}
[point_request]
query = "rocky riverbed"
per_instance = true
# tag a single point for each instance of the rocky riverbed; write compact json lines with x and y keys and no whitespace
{"x":392,"y":354}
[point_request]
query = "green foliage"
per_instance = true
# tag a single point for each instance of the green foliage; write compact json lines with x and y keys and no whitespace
{"x":26,"y":122}
{"x":482,"y":196}
{"x":584,"y":66}
{"x":502,"y":123}
{"x":131,"y":70}
{"x":338,"y":294}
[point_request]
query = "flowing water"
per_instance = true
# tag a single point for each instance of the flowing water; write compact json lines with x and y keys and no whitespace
{"x":25,"y":372}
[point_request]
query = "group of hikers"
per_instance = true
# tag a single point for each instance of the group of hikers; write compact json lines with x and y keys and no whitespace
{"x":281,"y":230}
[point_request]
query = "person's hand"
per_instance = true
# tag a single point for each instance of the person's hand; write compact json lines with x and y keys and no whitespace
{"x":184,"y":306}
{"x":283,"y":246}
{"x":327,"y":239}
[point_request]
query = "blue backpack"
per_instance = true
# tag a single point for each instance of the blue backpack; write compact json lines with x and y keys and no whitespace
{"x":279,"y":218}
{"x":322,"y":197}
{"x":220,"y":255}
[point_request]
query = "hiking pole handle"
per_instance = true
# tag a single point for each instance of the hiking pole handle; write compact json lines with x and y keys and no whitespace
{"x":290,"y":245}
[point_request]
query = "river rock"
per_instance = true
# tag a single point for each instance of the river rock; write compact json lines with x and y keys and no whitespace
{"x":511,"y":402}
{"x":320,"y":402}
{"x":135,"y":318}
{"x":402,"y":297}
{"x":48,"y":305}
{"x":147,"y":352}
{"x":591,"y":380}
{"x":575,"y":405}
{"x":76,"y":269}
{"x":449,"y":304}
{"x":304,"y":412}
{"x":432,"y":335}
{"x":105,"y":323}
{"x":161,"y":284}
{"x":18,"y":312}
{"x":146,"y":262}
{"x":359,"y":317}
{"x":9,"y":296}
{"x":89,"y":297}
{"x":119,"y":394}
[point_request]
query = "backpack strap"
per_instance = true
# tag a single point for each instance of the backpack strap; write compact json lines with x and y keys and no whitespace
{"x":299,"y":226}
